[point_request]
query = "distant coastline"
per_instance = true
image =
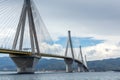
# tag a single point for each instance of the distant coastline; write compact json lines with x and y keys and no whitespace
{"x":6,"y":64}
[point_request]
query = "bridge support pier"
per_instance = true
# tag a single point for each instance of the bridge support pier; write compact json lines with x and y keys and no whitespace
{"x":69,"y":63}
{"x":25,"y":64}
{"x":80,"y":68}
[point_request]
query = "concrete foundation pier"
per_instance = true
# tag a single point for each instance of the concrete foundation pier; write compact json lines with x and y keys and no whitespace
{"x":25,"y":64}
{"x":80,"y":68}
{"x":69,"y":63}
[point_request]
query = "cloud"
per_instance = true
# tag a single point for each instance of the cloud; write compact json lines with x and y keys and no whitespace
{"x":51,"y":49}
{"x":118,"y":44}
{"x":85,"y":17}
{"x":102,"y":51}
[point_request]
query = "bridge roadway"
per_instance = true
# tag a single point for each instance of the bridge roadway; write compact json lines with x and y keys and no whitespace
{"x":17,"y":52}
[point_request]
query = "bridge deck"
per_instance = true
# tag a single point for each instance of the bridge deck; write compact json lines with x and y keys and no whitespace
{"x":17,"y":52}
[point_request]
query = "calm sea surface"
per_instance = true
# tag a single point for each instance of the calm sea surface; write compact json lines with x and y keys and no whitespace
{"x":61,"y":76}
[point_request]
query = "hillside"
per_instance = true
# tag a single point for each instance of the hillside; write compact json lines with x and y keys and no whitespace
{"x":54,"y":64}
{"x":105,"y":65}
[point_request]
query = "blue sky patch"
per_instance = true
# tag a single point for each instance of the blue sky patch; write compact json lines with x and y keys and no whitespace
{"x":83,"y":41}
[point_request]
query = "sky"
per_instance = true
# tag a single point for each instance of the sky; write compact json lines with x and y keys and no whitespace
{"x":96,"y":21}
{"x":94,"y":24}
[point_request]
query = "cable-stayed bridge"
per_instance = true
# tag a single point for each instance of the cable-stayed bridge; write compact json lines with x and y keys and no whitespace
{"x":26,"y":39}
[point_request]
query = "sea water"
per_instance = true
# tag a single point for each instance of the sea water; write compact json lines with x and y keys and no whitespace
{"x":61,"y":76}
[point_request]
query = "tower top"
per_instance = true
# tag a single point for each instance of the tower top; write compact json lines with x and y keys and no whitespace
{"x":69,"y":31}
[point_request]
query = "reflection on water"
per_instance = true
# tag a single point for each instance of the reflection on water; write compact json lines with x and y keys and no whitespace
{"x":61,"y":76}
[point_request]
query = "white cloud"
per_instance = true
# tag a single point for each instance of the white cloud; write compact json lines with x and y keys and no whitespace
{"x":51,"y":49}
{"x":102,"y":51}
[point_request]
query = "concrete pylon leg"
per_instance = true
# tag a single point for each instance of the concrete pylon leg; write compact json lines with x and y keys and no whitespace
{"x":25,"y":64}
{"x":69,"y":63}
{"x":80,"y":68}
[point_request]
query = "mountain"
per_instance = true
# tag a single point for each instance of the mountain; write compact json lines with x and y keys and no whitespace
{"x":55,"y":64}
{"x":105,"y":65}
{"x":6,"y":63}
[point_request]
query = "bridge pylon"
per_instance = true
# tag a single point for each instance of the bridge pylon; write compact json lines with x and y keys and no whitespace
{"x":26,"y":64}
{"x":86,"y":70}
{"x":80,"y":66}
{"x":68,"y":61}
